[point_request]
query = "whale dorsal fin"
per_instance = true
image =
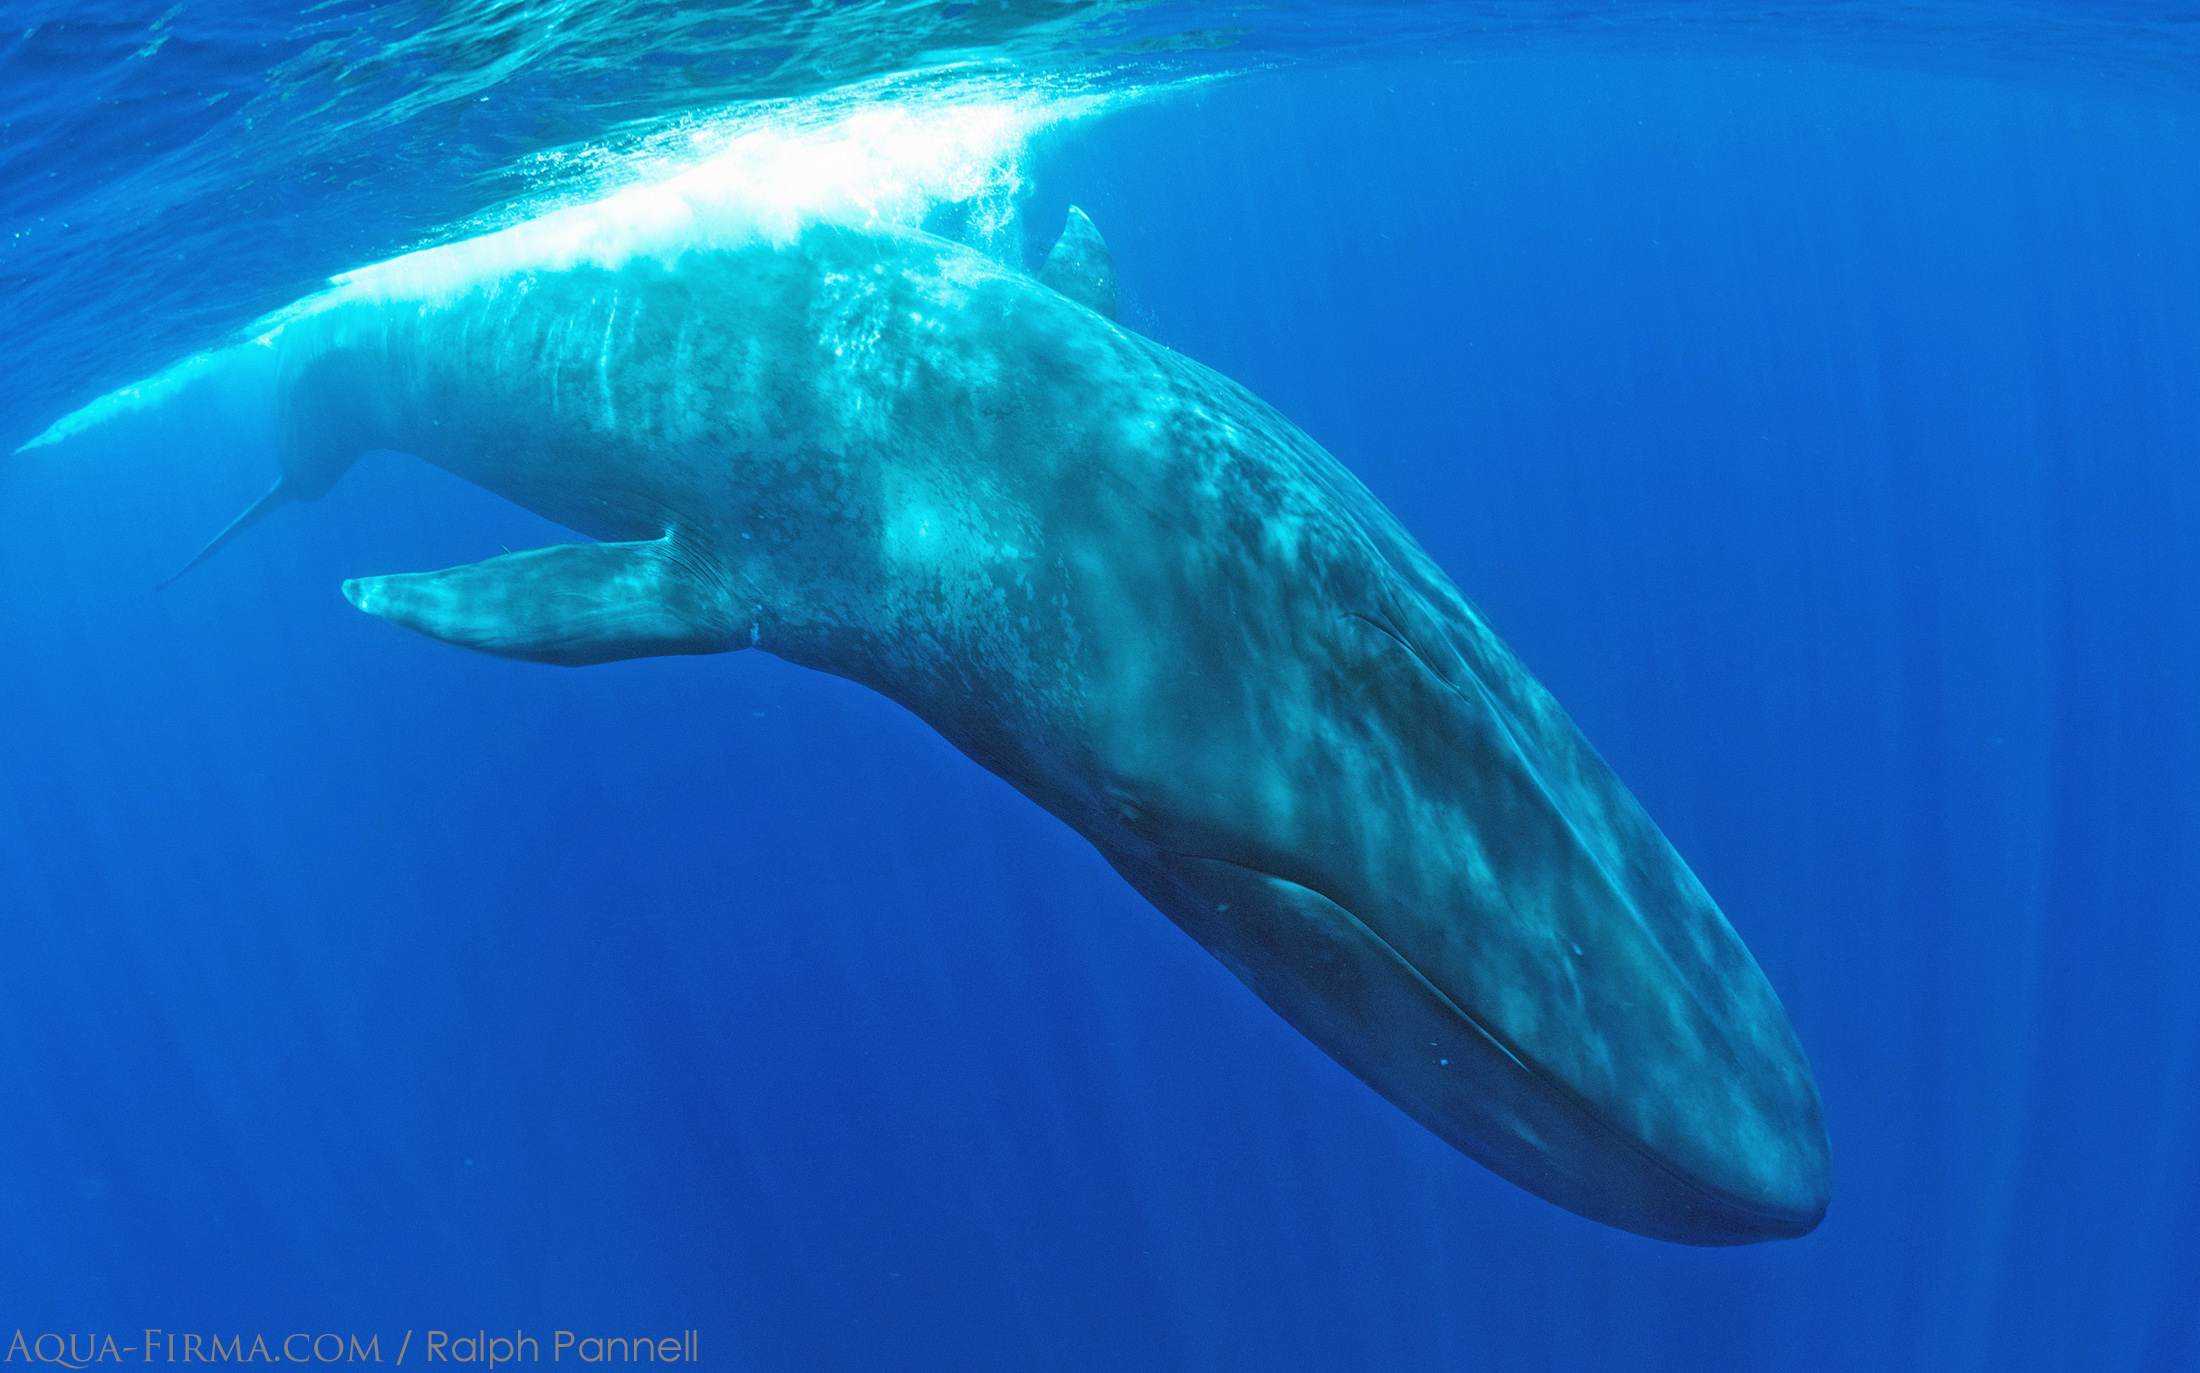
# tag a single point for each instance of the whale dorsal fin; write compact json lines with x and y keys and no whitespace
{"x":571,"y":604}
{"x":1080,"y":266}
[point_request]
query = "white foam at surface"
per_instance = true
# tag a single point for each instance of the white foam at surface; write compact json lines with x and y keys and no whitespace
{"x":758,"y":175}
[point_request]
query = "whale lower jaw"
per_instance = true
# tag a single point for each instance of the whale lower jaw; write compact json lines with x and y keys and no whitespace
{"x":1346,"y":989}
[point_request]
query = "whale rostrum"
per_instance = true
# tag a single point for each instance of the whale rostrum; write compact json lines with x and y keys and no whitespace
{"x":1127,"y":586}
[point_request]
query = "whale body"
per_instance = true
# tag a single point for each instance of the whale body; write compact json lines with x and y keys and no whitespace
{"x":1141,"y":596}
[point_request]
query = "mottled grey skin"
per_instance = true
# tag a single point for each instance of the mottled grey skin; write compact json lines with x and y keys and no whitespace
{"x":1131,"y":589}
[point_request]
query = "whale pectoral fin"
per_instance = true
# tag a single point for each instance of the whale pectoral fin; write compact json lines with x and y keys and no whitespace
{"x":572,"y":604}
{"x":253,"y":514}
{"x":1081,"y":267}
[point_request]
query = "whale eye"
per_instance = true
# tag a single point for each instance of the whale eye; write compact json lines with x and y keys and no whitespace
{"x":1129,"y":814}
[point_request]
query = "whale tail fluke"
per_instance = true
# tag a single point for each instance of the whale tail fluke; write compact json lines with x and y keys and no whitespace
{"x":278,"y":494}
{"x":1081,"y":267}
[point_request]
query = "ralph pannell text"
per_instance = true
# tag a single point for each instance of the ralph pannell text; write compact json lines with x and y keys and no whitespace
{"x":84,"y":1349}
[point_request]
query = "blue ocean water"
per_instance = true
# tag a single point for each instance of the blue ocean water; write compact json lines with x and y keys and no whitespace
{"x":1804,"y":392}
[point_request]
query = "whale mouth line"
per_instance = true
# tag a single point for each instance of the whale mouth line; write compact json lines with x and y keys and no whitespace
{"x":1472,"y":1021}
{"x":1563,"y":1093}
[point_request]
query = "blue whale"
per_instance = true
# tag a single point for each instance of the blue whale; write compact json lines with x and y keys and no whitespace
{"x":1127,"y":586}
